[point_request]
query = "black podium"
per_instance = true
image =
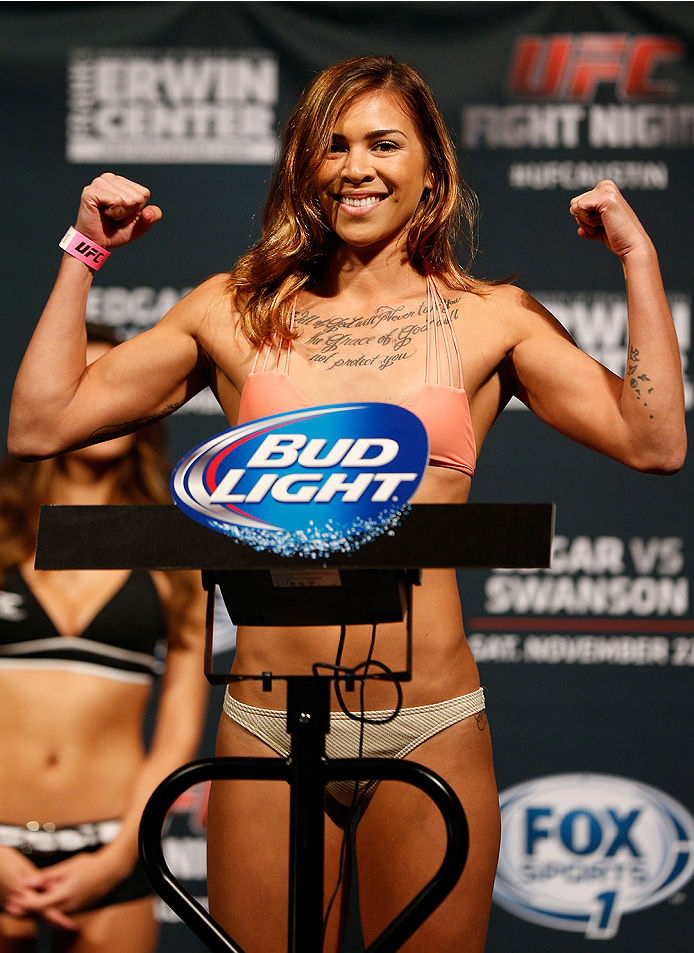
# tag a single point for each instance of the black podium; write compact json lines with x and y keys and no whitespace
{"x":371,"y":585}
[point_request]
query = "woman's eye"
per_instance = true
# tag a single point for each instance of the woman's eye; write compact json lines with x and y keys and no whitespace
{"x":386,"y":146}
{"x":336,"y":147}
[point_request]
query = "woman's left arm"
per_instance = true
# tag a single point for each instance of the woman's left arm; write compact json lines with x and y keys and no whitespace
{"x":180,"y":711}
{"x":638,"y":419}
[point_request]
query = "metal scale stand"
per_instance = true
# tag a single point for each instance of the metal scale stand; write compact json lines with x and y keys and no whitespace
{"x":371,"y":585}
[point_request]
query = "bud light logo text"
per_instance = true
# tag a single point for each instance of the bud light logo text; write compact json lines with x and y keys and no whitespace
{"x":308,"y":482}
{"x":578,"y":851}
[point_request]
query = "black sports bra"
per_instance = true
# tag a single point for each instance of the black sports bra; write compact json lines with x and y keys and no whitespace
{"x":122,"y":641}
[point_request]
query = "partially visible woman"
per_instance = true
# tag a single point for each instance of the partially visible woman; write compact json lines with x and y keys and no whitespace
{"x":79,"y":650}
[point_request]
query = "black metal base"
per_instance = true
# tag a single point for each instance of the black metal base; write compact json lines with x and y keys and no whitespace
{"x":307,"y":771}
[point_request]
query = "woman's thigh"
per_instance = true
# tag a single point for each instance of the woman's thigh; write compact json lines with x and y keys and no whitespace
{"x":121,"y":928}
{"x":401,"y":841}
{"x":248,"y":854}
{"x":17,"y":934}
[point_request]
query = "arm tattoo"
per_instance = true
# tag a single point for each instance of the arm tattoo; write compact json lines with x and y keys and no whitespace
{"x":128,"y":426}
{"x":637,"y":381}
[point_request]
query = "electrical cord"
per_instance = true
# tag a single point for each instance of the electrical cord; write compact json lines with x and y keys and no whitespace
{"x":359,"y":673}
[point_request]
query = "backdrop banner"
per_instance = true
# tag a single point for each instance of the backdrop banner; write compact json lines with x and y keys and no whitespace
{"x":587,"y":665}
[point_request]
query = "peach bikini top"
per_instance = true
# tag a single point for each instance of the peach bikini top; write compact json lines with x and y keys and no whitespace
{"x":442,"y":408}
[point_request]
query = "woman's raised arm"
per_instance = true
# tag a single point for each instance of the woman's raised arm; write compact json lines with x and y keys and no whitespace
{"x":638,"y":419}
{"x":58,"y":404}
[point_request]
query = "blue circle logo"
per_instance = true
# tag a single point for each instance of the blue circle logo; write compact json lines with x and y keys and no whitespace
{"x":580,"y":850}
{"x":307,"y":482}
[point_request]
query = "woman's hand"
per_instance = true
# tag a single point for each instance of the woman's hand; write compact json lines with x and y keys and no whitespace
{"x":66,"y":887}
{"x":21,"y":889}
{"x":113,"y":211}
{"x":604,"y":215}
{"x":17,"y":873}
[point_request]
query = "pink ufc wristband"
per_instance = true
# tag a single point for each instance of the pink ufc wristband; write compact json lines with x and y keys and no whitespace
{"x":84,"y":249}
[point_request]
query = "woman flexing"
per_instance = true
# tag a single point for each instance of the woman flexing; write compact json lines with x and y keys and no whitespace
{"x":356,"y":260}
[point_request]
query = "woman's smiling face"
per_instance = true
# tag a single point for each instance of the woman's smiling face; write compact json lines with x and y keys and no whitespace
{"x":373,"y":177}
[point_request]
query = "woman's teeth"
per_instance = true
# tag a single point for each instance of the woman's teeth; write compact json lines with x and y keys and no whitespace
{"x":359,"y":203}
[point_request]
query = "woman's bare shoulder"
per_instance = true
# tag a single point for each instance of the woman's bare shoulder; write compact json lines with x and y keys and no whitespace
{"x":512,"y":301}
{"x":214,"y":292}
{"x":522,"y":316}
{"x":502,"y":293}
{"x":506,"y":314}
{"x":207,"y":301}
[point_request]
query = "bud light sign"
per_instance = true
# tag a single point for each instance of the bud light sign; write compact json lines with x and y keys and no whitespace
{"x":580,"y":850}
{"x":308,"y":482}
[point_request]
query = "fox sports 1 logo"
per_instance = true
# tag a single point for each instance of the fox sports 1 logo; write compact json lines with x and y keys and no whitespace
{"x":307,"y":482}
{"x":580,"y":850}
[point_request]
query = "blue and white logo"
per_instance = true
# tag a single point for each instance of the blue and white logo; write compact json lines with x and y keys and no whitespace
{"x":580,"y":850}
{"x":312,"y":482}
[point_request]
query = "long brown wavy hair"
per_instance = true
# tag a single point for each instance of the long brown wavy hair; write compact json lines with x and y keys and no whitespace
{"x":297,"y":240}
{"x":142,"y":476}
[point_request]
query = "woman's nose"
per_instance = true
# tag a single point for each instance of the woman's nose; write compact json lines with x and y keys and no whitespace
{"x":357,"y":166}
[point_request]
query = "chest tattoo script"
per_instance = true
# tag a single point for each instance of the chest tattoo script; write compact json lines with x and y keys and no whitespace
{"x":639,"y":383}
{"x":378,"y":340}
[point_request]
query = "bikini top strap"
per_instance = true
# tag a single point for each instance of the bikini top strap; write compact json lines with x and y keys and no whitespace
{"x":442,"y":328}
{"x":292,"y":321}
{"x":428,"y":332}
{"x":276,"y":348}
{"x":254,"y":365}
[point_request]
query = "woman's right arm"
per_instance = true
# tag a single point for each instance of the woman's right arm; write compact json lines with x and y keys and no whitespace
{"x":58,"y":403}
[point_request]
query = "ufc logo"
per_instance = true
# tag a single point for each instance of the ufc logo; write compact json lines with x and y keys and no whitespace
{"x":88,"y":251}
{"x":570,"y":67}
